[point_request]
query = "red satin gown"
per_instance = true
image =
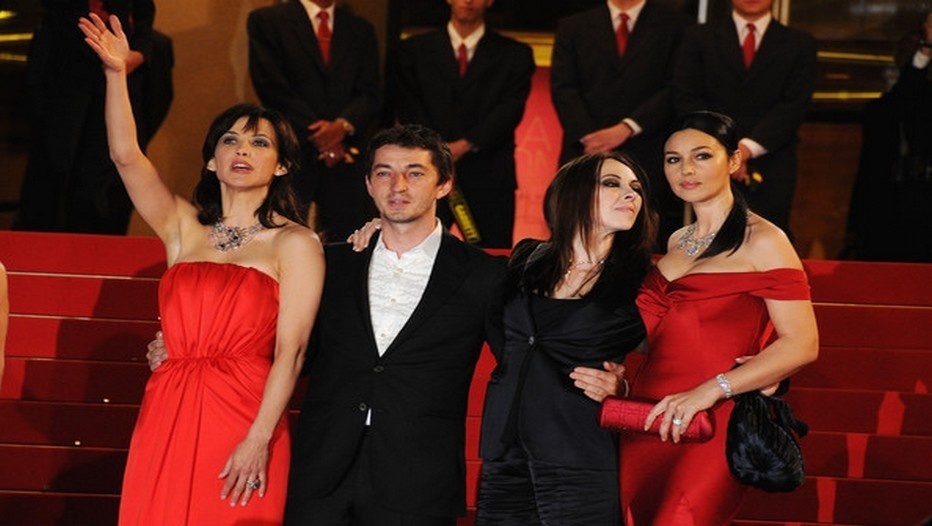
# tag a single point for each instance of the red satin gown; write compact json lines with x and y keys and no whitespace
{"x":696,"y":326}
{"x":219,"y":322}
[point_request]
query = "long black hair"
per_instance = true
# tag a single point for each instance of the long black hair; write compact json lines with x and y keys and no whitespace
{"x":570,"y":209}
{"x":721,"y":127}
{"x":281,"y":198}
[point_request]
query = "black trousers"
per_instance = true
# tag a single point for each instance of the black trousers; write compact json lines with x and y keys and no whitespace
{"x":353,"y":503}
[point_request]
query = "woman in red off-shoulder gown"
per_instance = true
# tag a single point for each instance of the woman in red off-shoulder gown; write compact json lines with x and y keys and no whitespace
{"x":729,"y":287}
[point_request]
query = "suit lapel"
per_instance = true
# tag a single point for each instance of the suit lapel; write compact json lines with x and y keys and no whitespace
{"x":444,"y":57}
{"x":726,"y":41}
{"x":449,"y":270}
{"x":340,"y":42}
{"x":302,"y":31}
{"x":767,"y":51}
{"x":360,"y":291}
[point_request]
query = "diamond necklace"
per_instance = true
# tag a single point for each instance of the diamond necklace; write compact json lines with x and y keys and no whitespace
{"x":226,"y":238}
{"x":692,"y":246}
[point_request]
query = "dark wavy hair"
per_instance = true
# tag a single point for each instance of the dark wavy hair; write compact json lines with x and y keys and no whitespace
{"x":414,"y":136}
{"x":570,"y":207}
{"x":281,"y":198}
{"x":721,"y":127}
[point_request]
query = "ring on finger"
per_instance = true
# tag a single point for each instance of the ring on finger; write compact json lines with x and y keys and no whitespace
{"x":253,"y":484}
{"x":677,"y":421}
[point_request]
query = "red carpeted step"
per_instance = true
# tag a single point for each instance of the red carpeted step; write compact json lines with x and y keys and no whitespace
{"x":123,"y":299}
{"x":873,"y":283}
{"x":62,"y":469}
{"x":74,"y":381}
{"x":843,"y":501}
{"x":869,"y":369}
{"x":82,"y":254}
{"x":61,"y":424}
{"x":870,"y":412}
{"x":874,"y":326}
{"x":47,"y":508}
{"x":79,"y":338}
{"x":863,"y":456}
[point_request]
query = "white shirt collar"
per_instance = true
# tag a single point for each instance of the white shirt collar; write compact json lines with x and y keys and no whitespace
{"x":429,"y":246}
{"x":632,"y":13}
{"x":471,"y":41}
{"x":312,"y":10}
{"x":760,"y":26}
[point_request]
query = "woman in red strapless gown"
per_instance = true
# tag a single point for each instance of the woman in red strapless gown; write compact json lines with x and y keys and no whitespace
{"x":211,"y":444}
{"x":727,"y":285}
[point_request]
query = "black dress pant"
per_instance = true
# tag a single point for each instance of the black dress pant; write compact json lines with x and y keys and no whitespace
{"x":353,"y":503}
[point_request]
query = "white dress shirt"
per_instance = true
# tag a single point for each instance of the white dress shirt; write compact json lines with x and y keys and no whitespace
{"x":396,"y":284}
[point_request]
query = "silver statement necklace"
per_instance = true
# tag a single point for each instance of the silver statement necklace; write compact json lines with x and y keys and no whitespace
{"x":226,"y":238}
{"x":691,"y":245}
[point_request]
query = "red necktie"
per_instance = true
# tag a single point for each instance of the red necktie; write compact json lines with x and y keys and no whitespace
{"x":324,"y":35}
{"x":748,"y":47}
{"x":621,"y":35}
{"x":97,"y":7}
{"x":462,"y":56}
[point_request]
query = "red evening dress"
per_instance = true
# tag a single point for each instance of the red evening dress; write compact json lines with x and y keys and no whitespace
{"x":696,"y":326}
{"x":219,"y":322}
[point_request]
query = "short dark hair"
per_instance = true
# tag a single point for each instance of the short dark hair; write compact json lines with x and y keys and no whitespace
{"x":281,"y":198}
{"x":419,"y":137}
{"x":723,"y":129}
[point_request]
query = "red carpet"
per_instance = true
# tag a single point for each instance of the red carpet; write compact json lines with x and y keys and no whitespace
{"x":84,"y":307}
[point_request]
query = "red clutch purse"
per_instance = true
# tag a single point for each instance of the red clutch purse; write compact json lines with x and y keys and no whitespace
{"x":628,"y":415}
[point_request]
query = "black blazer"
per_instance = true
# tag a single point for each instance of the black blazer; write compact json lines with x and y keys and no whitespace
{"x":289,"y":75}
{"x":484,"y":107}
{"x":531,"y":401}
{"x":417,"y":391}
{"x":592,"y":88}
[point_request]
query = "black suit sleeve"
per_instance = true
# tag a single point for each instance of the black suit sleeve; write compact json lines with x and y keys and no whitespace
{"x":408,"y":96}
{"x":780,"y":123}
{"x":363,"y":108}
{"x":268,"y":76}
{"x":565,"y":88}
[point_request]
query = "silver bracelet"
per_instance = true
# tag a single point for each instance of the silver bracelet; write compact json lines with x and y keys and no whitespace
{"x":724,"y":384}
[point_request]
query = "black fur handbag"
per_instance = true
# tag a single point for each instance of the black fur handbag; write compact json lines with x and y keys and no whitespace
{"x":761,"y":447}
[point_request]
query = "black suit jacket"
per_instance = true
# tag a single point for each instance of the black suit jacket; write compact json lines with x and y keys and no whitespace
{"x":484,"y":107}
{"x":767,"y":101}
{"x":592,"y":88}
{"x":417,"y":391}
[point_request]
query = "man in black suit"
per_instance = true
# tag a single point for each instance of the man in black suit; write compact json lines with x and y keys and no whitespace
{"x":470,"y":84}
{"x":380,"y":439}
{"x":70,"y":184}
{"x":763,"y":78}
{"x":318,"y":65}
{"x":610,"y":84}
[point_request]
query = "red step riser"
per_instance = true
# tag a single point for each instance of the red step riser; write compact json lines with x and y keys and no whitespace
{"x":62,"y":470}
{"x":73,"y":381}
{"x":82,"y":254}
{"x":48,"y":423}
{"x":37,"y":509}
{"x":873,"y":326}
{"x":79,"y":339}
{"x":868,"y":369}
{"x":77,"y":296}
{"x":869,"y":412}
{"x":870,"y":283}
